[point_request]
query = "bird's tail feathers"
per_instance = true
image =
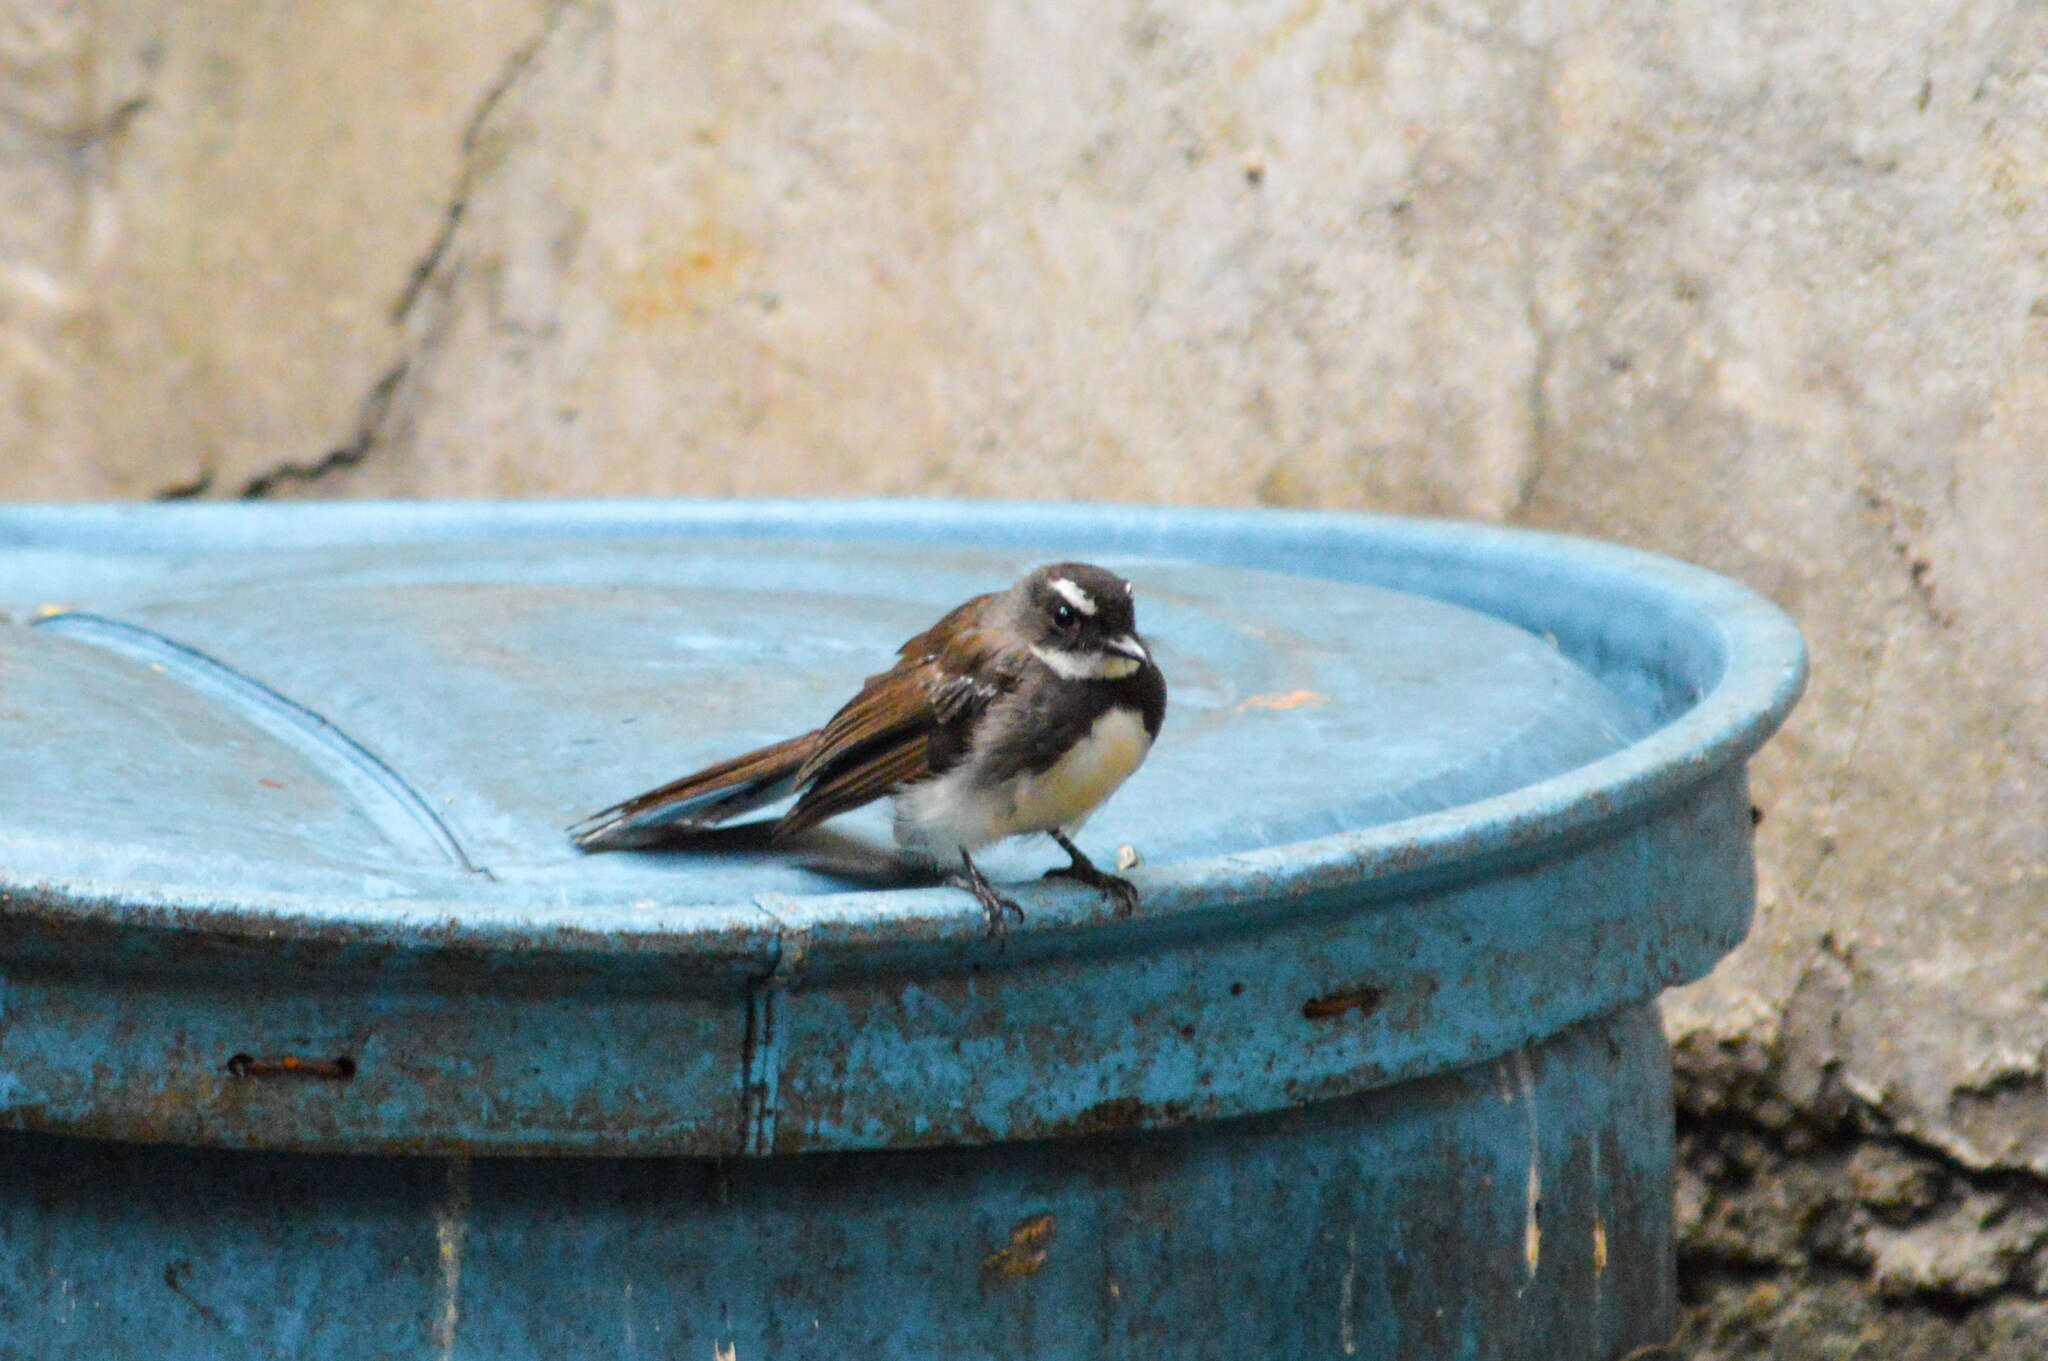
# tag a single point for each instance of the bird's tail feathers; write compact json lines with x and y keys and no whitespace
{"x":706,"y":798}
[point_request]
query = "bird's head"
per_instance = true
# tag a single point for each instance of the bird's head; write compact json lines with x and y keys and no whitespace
{"x":1081,"y":621}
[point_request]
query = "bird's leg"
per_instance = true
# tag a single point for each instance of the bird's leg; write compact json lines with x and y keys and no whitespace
{"x":994,"y":904}
{"x":1121,"y":892}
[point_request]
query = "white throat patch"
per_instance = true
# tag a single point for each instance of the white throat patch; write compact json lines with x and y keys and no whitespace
{"x":1086,"y":665}
{"x":1074,"y":595}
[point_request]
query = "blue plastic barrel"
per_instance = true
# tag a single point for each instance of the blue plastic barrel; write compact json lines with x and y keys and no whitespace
{"x":318,"y":1038}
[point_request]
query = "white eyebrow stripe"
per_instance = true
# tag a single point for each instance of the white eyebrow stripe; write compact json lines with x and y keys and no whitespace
{"x":1076,"y":597}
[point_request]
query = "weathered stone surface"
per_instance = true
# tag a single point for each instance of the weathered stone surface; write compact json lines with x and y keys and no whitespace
{"x":1833,"y":1234}
{"x":211,"y":210}
{"x":1759,"y":284}
{"x":1839,"y":1320}
{"x":1236,"y":255}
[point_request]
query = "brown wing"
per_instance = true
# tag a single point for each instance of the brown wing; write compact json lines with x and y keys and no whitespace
{"x":908,"y":723}
{"x":857,"y":782}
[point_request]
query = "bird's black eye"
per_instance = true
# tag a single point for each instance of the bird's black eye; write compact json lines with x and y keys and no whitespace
{"x":1064,"y":616}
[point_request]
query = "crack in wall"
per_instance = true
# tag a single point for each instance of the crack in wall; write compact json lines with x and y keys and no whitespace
{"x":1897,"y":521}
{"x":190,"y":490}
{"x":514,"y":71}
{"x":77,"y":140}
{"x":382,"y":400}
{"x":369,"y":424}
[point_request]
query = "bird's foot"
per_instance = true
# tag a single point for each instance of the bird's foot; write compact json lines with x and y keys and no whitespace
{"x":1121,"y":892}
{"x":997,"y":907}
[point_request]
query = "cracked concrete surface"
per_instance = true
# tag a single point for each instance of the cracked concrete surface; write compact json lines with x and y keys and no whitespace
{"x":1813,"y":1222}
{"x":209,"y":208}
{"x":1759,"y":284}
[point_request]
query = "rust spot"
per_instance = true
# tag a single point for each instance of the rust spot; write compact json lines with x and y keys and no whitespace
{"x":269,"y":783}
{"x":1104,"y":1117}
{"x":1024,"y":1255}
{"x":177,"y":1272}
{"x":1293,"y":699}
{"x":338,"y":1069}
{"x":1364,"y":1000}
{"x":1120,"y":1114}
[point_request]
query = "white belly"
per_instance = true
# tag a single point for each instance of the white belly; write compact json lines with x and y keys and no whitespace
{"x":1063,"y":796}
{"x":949,"y":812}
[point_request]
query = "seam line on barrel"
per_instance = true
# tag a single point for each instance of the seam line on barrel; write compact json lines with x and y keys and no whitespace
{"x":761,"y":1054}
{"x":376,"y":786}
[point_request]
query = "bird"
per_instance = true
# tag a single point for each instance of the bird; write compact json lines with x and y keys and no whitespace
{"x":1019,"y":712}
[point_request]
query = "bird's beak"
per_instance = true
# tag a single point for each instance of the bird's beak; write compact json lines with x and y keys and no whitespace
{"x":1129,"y":645}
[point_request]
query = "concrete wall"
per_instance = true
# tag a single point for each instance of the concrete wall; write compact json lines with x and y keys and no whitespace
{"x":1761,"y":284}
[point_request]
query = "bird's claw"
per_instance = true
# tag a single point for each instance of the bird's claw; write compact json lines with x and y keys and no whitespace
{"x":997,"y":907}
{"x":1121,"y":892}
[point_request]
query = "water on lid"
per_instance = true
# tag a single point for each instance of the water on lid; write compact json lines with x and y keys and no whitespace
{"x":379,"y":724}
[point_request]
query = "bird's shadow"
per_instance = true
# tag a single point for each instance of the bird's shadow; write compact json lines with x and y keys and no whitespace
{"x":821,"y":850}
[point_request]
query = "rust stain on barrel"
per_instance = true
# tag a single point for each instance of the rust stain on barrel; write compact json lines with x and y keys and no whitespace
{"x":1024,"y":1255}
{"x":1364,"y":999}
{"x":339,"y":1069}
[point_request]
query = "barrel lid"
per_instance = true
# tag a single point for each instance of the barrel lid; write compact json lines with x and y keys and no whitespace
{"x":372,"y":727}
{"x":285,"y":781}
